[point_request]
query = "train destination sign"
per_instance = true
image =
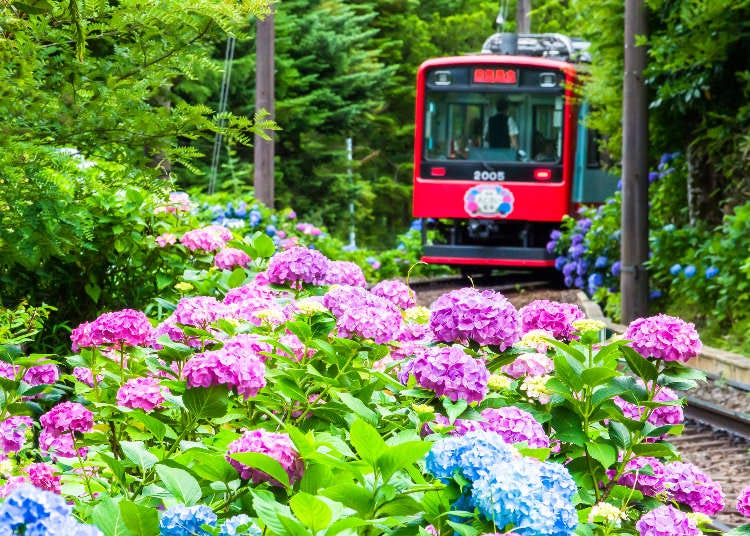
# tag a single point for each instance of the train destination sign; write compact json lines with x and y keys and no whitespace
{"x":495,"y":76}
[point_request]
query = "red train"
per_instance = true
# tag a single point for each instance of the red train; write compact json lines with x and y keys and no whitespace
{"x":500,"y":152}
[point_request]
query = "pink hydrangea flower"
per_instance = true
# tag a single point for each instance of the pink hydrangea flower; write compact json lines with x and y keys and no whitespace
{"x":450,"y":372}
{"x":468,"y":314}
{"x":8,"y":371}
{"x":661,"y":416}
{"x":344,"y":273}
{"x":529,"y":364}
{"x":645,"y":474}
{"x":126,"y":327}
{"x":13,"y":432}
{"x":248,"y":345}
{"x":299,"y":352}
{"x":296,"y":266}
{"x":166,"y":239}
{"x":664,"y":337}
{"x":67,"y":417}
{"x":515,"y":425}
{"x":460,"y":426}
{"x":687,"y":484}
{"x":141,"y":393}
{"x":220,"y":367}
{"x":372,"y":317}
{"x":199,"y":311}
{"x":44,"y":476}
{"x":308,"y":229}
{"x":230,"y":258}
{"x":177,"y":202}
{"x":59,"y":446}
{"x":554,"y":317}
{"x":396,"y":291}
{"x":206,"y":239}
{"x":84,"y":375}
{"x":251,"y":291}
{"x":666,"y":520}
{"x":338,"y":298}
{"x":277,"y":446}
{"x":743,"y":501}
{"x":41,"y":375}
{"x":12,"y":483}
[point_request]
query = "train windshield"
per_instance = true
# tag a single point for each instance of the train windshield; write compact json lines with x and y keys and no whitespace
{"x":490,"y":126}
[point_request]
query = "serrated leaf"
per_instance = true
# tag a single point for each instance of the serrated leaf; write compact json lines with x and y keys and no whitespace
{"x":605,"y":454}
{"x":399,"y":456}
{"x":454,"y":409}
{"x":366,"y":441}
{"x":640,"y":366}
{"x":181,"y":484}
{"x":358,"y":407}
{"x":108,"y":518}
{"x":136,"y":452}
{"x":206,"y":403}
{"x":352,"y":496}
{"x":314,"y":513}
{"x":263,"y":463}
{"x":141,"y":520}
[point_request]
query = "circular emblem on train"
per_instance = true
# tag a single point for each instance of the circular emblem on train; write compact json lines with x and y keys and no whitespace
{"x":489,"y":200}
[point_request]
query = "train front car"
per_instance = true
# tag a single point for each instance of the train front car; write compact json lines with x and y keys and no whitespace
{"x":494,"y":156}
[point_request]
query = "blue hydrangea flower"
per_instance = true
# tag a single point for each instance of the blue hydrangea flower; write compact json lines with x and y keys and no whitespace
{"x":616,"y":268}
{"x":601,"y":262}
{"x":669,"y":227}
{"x":655,"y":294}
{"x":711,"y":271}
{"x":255,"y":217}
{"x":416,"y":225}
{"x":560,"y":262}
{"x":675,"y":269}
{"x":469,"y":454}
{"x":270,"y":230}
{"x":689,"y":270}
{"x":653,"y":176}
{"x":576,"y":250}
{"x":596,"y":280}
{"x":181,"y":520}
{"x":27,"y":504}
{"x":57,"y":523}
{"x":551,"y":245}
{"x":239,"y":525}
{"x":555,"y":234}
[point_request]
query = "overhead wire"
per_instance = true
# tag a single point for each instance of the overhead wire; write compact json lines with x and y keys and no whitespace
{"x":223,"y":98}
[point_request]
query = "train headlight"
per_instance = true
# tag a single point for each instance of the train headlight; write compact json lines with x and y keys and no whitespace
{"x":542,"y":174}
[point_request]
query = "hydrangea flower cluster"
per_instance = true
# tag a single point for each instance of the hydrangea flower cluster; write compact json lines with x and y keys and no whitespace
{"x":450,"y":372}
{"x":67,"y":417}
{"x":743,"y":501}
{"x":529,"y":364}
{"x":36,"y":512}
{"x":206,"y":239}
{"x":199,"y":311}
{"x":224,"y":367}
{"x":515,"y":425}
{"x":664,"y":337}
{"x":181,"y":520}
{"x":370,"y":317}
{"x":177,"y":202}
{"x":396,"y":291}
{"x":141,"y":393}
{"x":230,"y":258}
{"x":666,"y":520}
{"x":166,"y":239}
{"x":126,"y":327}
{"x":660,"y":416}
{"x":467,"y":314}
{"x":41,"y":375}
{"x":687,"y":484}
{"x":344,"y":273}
{"x":13,"y":433}
{"x":44,"y":476}
{"x":298,"y":265}
{"x":645,"y":474}
{"x":534,"y":497}
{"x":277,"y":446}
{"x":554,"y":317}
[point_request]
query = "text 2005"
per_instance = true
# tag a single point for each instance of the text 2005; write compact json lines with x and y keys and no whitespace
{"x":489,"y":175}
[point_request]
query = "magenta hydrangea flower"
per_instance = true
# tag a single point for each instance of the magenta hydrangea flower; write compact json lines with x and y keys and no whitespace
{"x":84,"y":375}
{"x":644,"y":473}
{"x":554,"y":317}
{"x":141,"y":393}
{"x":450,"y":372}
{"x":344,"y":273}
{"x":126,"y":327}
{"x":666,"y":520}
{"x":248,"y":345}
{"x":743,"y":501}
{"x":296,"y":266}
{"x":230,"y":258}
{"x":515,"y":425}
{"x":67,"y":417}
{"x":221,"y":367}
{"x":529,"y":364}
{"x":664,"y":337}
{"x":59,"y":446}
{"x":41,"y":375}
{"x":277,"y":446}
{"x":460,"y":426}
{"x":468,"y":314}
{"x":372,"y":317}
{"x":687,"y":484}
{"x":297,"y":347}
{"x":660,"y":416}
{"x":13,"y":432}
{"x":199,"y":311}
{"x":44,"y":476}
{"x":338,"y":298}
{"x":396,"y":291}
{"x":206,"y":239}
{"x":8,"y":371}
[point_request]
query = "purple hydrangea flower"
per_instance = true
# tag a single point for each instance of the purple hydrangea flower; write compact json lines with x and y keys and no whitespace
{"x":664,"y":337}
{"x":41,"y":375}
{"x":125,"y":327}
{"x":44,"y":476}
{"x":298,"y":265}
{"x":221,"y":367}
{"x":666,"y":520}
{"x":13,"y":432}
{"x":515,"y":425}
{"x":344,"y":273}
{"x":450,"y":372}
{"x":687,"y":484}
{"x":143,"y":393}
{"x":181,"y":520}
{"x":339,"y":297}
{"x":67,"y":417}
{"x":743,"y":501}
{"x":199,"y":311}
{"x":645,"y":474}
{"x":660,"y":416}
{"x":230,"y":258}
{"x":277,"y":446}
{"x":529,"y":364}
{"x":467,"y":314}
{"x":369,"y":317}
{"x":396,"y":291}
{"x":59,"y":446}
{"x":554,"y":317}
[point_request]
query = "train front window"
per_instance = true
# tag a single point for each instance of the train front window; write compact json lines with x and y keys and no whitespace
{"x":493,"y":127}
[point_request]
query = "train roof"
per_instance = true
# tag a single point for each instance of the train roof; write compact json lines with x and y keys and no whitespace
{"x":549,"y":45}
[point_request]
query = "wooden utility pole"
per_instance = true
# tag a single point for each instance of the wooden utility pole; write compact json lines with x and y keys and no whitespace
{"x":523,"y":16}
{"x":634,"y":244}
{"x":263,"y":150}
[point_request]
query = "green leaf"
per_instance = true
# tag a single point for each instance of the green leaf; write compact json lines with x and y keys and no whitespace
{"x":598,"y":375}
{"x":657,"y":450}
{"x":403,"y":505}
{"x":141,"y":520}
{"x":618,"y":433}
{"x":152,"y":424}
{"x":136,"y":452}
{"x":301,"y":329}
{"x":454,"y":409}
{"x":568,"y":427}
{"x":366,"y":441}
{"x":463,"y":530}
{"x":742,"y":530}
{"x":352,"y":496}
{"x":314,"y":513}
{"x":93,"y":291}
{"x":271,"y":512}
{"x":604,"y":453}
{"x":206,"y":403}
{"x":399,"y":456}
{"x":345,"y":525}
{"x":116,"y":466}
{"x":640,"y":366}
{"x":107,"y":516}
{"x":569,"y":370}
{"x":213,"y":467}
{"x":237,"y":277}
{"x":263,"y":463}
{"x":181,"y":484}
{"x":358,"y":407}
{"x":263,"y":246}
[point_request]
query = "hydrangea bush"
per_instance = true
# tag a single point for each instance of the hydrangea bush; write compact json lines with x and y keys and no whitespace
{"x":288,"y":398}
